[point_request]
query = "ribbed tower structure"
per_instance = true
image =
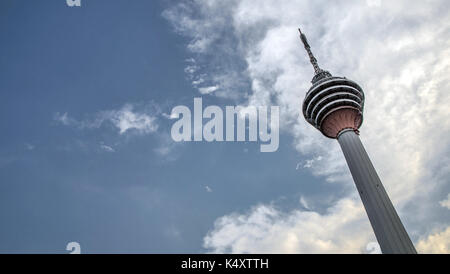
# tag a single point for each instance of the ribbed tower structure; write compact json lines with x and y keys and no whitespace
{"x":334,"y":105}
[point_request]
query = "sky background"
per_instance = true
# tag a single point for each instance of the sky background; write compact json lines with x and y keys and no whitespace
{"x":86,"y":153}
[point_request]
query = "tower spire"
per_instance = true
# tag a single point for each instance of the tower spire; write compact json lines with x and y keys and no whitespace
{"x":318,"y":72}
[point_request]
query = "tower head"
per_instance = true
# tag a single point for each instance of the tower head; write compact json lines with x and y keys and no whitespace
{"x":332,"y":104}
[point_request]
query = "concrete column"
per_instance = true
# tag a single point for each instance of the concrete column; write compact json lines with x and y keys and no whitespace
{"x":388,"y":228}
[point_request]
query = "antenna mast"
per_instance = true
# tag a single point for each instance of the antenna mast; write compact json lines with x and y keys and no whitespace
{"x":318,"y":72}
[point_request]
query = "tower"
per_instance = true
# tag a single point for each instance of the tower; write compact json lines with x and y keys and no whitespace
{"x":334,"y":105}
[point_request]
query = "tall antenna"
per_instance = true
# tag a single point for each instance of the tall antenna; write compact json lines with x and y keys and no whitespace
{"x":318,"y":72}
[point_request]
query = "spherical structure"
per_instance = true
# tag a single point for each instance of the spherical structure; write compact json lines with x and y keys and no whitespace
{"x":334,"y":104}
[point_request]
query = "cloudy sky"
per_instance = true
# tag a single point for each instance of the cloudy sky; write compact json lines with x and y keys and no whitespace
{"x":86,"y":153}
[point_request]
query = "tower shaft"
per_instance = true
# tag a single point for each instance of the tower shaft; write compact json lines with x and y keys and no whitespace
{"x":388,"y":228}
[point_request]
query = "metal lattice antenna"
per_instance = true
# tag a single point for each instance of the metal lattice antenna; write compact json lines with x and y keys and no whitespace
{"x":319,"y":73}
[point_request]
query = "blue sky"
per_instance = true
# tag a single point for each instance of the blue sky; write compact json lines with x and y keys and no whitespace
{"x":59,"y":185}
{"x":72,"y":167}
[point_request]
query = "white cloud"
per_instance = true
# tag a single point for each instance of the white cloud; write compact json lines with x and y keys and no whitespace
{"x":191,"y":69}
{"x":266,"y":229}
{"x":107,"y":148}
{"x":198,"y":81}
{"x":208,"y":90}
{"x":438,"y":242}
{"x":63,"y":118}
{"x":446,"y":203}
{"x":202,"y":34}
{"x":309,"y":163}
{"x":304,"y":203}
{"x":401,"y":57}
{"x":373,"y":3}
{"x":124,"y":119}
